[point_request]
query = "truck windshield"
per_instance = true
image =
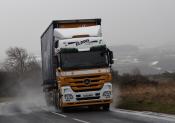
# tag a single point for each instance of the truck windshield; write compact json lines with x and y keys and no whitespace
{"x":84,"y":60}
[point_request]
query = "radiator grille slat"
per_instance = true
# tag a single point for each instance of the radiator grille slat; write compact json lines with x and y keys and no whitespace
{"x":78,"y":85}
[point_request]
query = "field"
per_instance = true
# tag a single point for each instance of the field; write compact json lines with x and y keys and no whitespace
{"x":148,"y":97}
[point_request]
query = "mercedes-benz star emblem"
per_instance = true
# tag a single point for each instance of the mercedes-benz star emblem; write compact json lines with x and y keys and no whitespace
{"x":87,"y":81}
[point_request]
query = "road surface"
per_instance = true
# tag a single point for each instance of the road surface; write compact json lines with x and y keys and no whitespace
{"x":17,"y":113}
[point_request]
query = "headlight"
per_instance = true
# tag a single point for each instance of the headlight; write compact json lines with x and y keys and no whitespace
{"x":67,"y":90}
{"x":68,"y":94}
{"x":107,"y":86}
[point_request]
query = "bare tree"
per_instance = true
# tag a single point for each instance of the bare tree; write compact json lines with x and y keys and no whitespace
{"x":19,"y":61}
{"x":32,"y":64}
{"x":21,"y":70}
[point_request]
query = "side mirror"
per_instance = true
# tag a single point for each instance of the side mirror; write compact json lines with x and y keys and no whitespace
{"x":59,"y":69}
{"x":111,"y":61}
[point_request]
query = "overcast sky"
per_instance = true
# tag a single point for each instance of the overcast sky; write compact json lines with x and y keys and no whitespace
{"x":138,"y":22}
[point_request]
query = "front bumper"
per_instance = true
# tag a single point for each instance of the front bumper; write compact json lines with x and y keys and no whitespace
{"x":70,"y":98}
{"x":87,"y":103}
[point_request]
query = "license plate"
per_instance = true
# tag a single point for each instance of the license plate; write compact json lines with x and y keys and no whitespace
{"x":87,"y":95}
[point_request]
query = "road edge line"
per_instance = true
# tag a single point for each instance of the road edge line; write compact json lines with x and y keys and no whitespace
{"x":82,"y":121}
{"x":142,"y":116}
{"x":62,"y":115}
{"x":55,"y":113}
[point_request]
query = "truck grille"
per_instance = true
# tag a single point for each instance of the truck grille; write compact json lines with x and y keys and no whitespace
{"x":88,"y":83}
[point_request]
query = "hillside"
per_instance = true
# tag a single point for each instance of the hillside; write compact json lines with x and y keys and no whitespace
{"x":149,"y":60}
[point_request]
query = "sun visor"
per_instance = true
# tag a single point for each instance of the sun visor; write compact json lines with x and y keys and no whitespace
{"x":68,"y":33}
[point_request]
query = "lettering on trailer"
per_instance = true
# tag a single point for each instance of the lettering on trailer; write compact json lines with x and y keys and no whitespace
{"x":86,"y":41}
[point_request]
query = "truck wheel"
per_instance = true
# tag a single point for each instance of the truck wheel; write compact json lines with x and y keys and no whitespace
{"x":94,"y":107}
{"x":48,"y":99}
{"x":56,"y":99}
{"x":62,"y":109}
{"x":60,"y":103}
{"x":106,"y":107}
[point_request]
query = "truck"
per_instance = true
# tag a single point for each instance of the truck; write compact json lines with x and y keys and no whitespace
{"x":76,"y":65}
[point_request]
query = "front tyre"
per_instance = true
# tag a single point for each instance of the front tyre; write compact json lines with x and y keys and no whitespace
{"x":106,"y":107}
{"x":94,"y":107}
{"x":56,"y":99}
{"x":60,"y":103}
{"x":48,"y":99}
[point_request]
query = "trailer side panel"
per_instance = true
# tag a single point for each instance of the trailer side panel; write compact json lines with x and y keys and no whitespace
{"x":47,"y":47}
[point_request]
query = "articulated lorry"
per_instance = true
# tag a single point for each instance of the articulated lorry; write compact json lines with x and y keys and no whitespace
{"x":76,"y":64}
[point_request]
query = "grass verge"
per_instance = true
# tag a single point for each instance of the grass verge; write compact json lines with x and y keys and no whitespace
{"x":143,"y":97}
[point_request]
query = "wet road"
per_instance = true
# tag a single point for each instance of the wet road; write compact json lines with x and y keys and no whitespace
{"x":16,"y":114}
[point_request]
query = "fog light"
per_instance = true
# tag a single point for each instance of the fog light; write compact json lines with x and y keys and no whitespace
{"x":68,"y":96}
{"x":107,"y":94}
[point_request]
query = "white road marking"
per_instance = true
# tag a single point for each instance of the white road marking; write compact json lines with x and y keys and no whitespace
{"x":150,"y":115}
{"x":81,"y":121}
{"x":62,"y":115}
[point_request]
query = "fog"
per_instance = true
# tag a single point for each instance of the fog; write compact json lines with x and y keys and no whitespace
{"x":24,"y":94}
{"x":137,"y":22}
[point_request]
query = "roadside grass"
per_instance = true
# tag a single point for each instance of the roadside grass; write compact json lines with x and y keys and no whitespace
{"x":147,"y":97}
